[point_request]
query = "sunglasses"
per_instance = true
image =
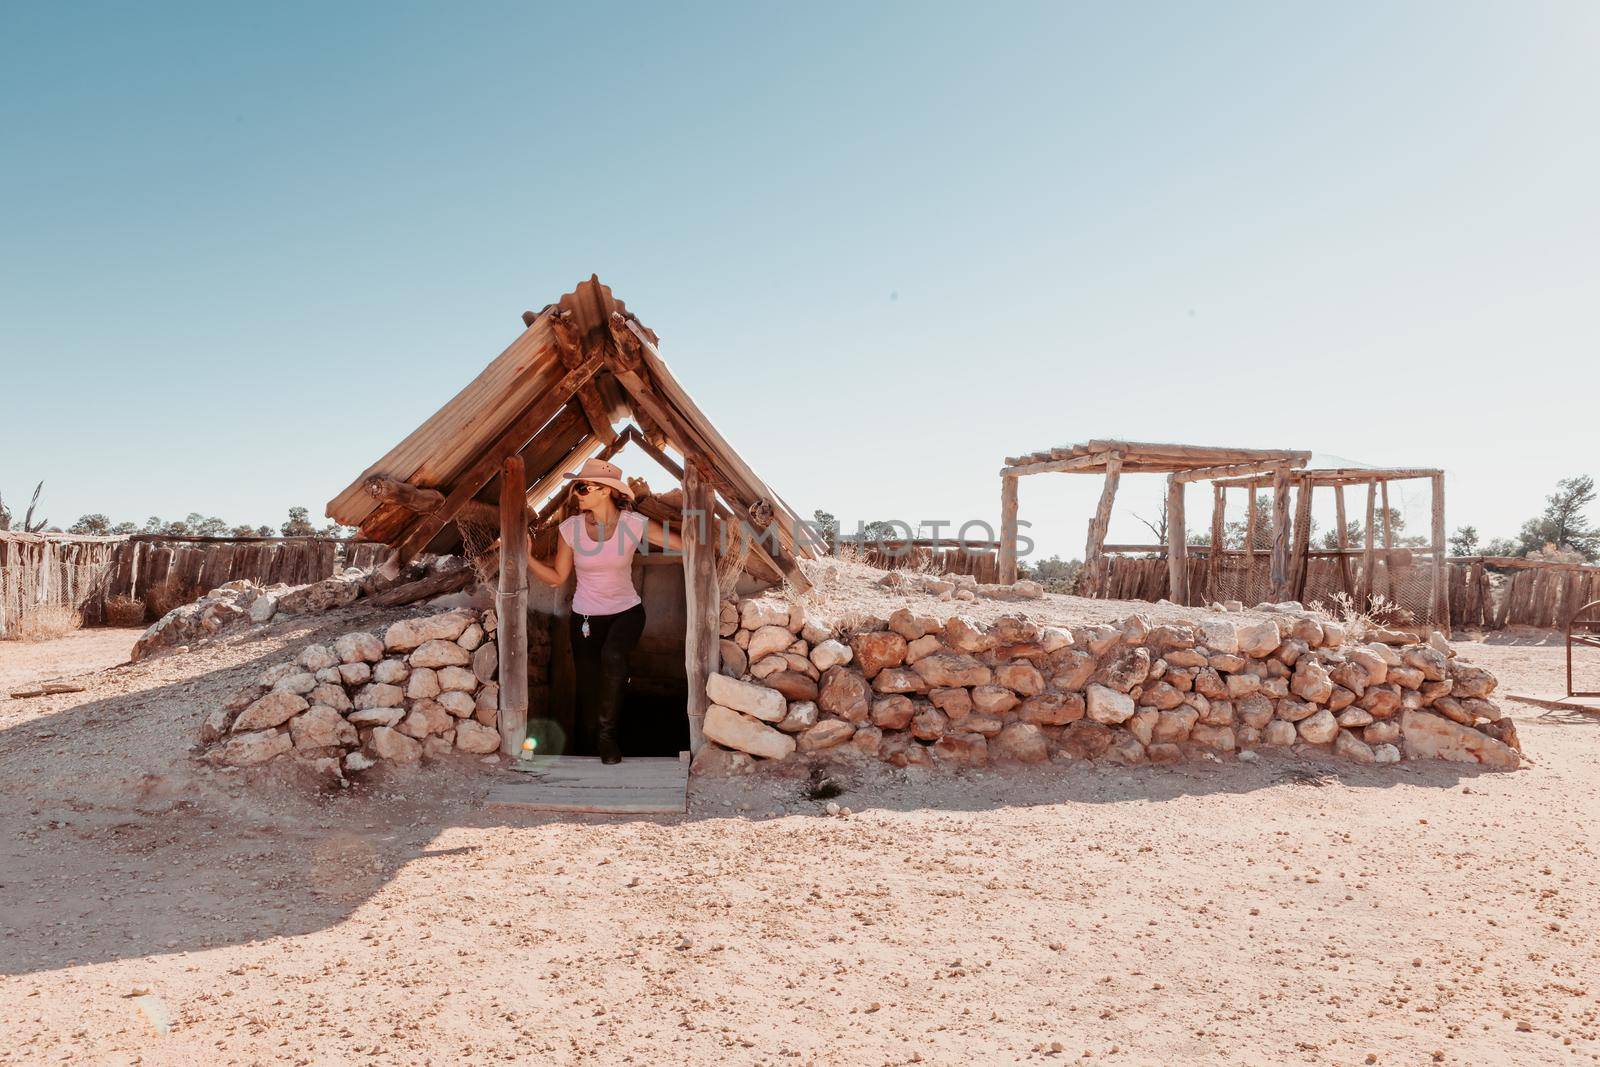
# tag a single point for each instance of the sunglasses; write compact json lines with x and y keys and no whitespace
{"x":585,"y":488}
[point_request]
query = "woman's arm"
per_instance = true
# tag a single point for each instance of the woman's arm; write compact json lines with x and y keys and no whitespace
{"x":553,"y":575}
{"x":661,"y":537}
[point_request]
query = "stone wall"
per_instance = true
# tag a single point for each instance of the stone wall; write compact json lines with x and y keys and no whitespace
{"x":424,"y":688}
{"x":916,"y":689}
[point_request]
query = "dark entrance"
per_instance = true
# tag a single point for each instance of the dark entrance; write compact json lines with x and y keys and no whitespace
{"x":655,"y":704}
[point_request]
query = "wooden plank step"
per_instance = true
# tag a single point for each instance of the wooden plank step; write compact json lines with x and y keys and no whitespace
{"x":651,"y":786}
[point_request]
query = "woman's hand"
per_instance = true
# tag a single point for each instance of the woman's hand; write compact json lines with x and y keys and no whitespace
{"x":558,"y":574}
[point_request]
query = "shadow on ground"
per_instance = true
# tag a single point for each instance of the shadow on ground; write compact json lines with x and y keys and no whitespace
{"x":116,"y":844}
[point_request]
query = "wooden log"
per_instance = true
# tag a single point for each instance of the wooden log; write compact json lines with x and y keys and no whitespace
{"x":423,"y":588}
{"x":1055,"y":466}
{"x":1219,"y":503}
{"x":1231,"y":470}
{"x":1250,"y":549}
{"x":1388,"y":530}
{"x":1368,"y":555}
{"x":1302,"y":538}
{"x":426,"y":501}
{"x":1279,"y":574}
{"x":1008,"y":529}
{"x":701,"y":651}
{"x":511,"y":606}
{"x":510,"y":443}
{"x":1102,"y":512}
{"x":1344,"y":544}
{"x":1441,"y":593}
{"x":1177,"y":546}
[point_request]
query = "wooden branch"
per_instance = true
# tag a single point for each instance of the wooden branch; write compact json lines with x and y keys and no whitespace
{"x":423,"y":588}
{"x":1053,"y":466}
{"x":1344,"y":543}
{"x":1232,"y":470}
{"x":513,"y":441}
{"x":426,"y":501}
{"x":569,"y":346}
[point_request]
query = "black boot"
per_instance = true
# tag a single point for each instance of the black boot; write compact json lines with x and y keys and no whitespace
{"x":610,"y":752}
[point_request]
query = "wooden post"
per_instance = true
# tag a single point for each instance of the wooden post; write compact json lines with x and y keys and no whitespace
{"x":1280,"y":534}
{"x":701,"y":653}
{"x":1441,"y":595}
{"x":1100,"y":523}
{"x":1368,"y":557}
{"x":1250,"y":547}
{"x":511,"y":604}
{"x":1177,"y":547}
{"x":1302,"y":536}
{"x":1344,"y":542}
{"x":1219,"y":501}
{"x":1388,"y":533}
{"x":1008,"y":528}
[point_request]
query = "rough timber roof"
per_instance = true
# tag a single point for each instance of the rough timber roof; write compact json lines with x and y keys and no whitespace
{"x":1147,"y":457}
{"x":554,"y":396}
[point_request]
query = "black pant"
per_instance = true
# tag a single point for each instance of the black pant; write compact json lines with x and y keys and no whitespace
{"x":601,"y":662}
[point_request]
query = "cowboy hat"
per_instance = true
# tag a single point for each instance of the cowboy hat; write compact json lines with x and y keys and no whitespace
{"x":602,"y":473}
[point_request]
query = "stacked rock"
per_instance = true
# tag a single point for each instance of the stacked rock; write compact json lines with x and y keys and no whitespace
{"x":245,"y":602}
{"x":915,"y":689}
{"x":423,"y":689}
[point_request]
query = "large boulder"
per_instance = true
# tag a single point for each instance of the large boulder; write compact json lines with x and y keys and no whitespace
{"x":764,"y":611}
{"x":1259,"y":639}
{"x":473,"y":736}
{"x":825,"y":734}
{"x":320,"y":727}
{"x":877,"y":650}
{"x":768,"y":640}
{"x":1022,"y":742}
{"x":249,"y":749}
{"x":734,"y":729}
{"x":274,"y":709}
{"x":952,"y":668}
{"x":390,"y":744}
{"x":830,"y":653}
{"x":407,"y":634}
{"x":1127,"y":670}
{"x":765,"y":704}
{"x":1108,"y":706}
{"x":1052,"y":708}
{"x":1021,"y":678}
{"x":1428,"y":736}
{"x":440,"y":653}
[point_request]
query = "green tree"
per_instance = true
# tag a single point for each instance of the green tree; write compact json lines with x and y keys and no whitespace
{"x":1563,"y":523}
{"x":95,"y":523}
{"x":299,"y":524}
{"x":1464,"y":542}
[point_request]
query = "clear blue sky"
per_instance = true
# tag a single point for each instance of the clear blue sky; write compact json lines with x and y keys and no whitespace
{"x":245,"y":250}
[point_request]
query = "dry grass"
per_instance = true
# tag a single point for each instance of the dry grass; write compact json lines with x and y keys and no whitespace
{"x":44,"y":623}
{"x":124,"y":611}
{"x":1381,"y":614}
{"x":161,"y":599}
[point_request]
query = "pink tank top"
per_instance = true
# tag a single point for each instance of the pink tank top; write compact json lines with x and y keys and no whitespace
{"x":604,"y":569}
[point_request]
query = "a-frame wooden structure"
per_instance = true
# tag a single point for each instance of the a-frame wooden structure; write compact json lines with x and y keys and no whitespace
{"x":562,"y":393}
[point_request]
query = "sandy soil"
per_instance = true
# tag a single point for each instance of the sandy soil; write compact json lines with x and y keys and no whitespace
{"x":1281,"y":912}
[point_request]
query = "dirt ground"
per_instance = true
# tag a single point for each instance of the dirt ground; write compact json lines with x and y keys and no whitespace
{"x":1285,"y":911}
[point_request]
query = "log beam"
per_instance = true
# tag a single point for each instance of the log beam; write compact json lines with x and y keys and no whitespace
{"x":1177,"y":548}
{"x":1441,"y":593}
{"x":1368,"y":555}
{"x":511,"y":605}
{"x":1008,"y":529}
{"x":513,"y":441}
{"x":1279,"y":577}
{"x":1344,"y":543}
{"x":701,"y":651}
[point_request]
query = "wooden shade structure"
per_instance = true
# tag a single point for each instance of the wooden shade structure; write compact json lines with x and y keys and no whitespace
{"x":1376,"y":479}
{"x":496,"y":454}
{"x":1182,"y":464}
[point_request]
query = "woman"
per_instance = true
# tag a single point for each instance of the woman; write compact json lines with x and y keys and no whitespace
{"x":607,"y":615}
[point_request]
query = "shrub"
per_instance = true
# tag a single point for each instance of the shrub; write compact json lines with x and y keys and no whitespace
{"x":45,"y":623}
